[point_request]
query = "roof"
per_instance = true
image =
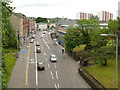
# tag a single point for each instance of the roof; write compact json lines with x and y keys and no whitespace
{"x":40,"y":63}
{"x":61,"y":31}
{"x":67,"y":22}
{"x":18,"y":15}
{"x":52,"y":54}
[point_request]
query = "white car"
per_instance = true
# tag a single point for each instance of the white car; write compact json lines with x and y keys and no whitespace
{"x":44,"y":32}
{"x":53,"y":58}
{"x":42,"y":36}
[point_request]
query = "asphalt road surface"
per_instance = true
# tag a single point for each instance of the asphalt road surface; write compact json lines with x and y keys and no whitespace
{"x":60,"y":74}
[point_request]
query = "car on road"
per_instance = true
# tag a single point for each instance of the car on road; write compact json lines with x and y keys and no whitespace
{"x":38,"y":50}
{"x":53,"y":58}
{"x":40,"y":66}
{"x":33,"y":36}
{"x":44,"y":32}
{"x":41,"y":36}
{"x":32,"y":40}
{"x":37,"y":44}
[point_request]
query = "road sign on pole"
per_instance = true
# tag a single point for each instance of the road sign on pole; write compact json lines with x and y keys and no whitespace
{"x":23,"y":50}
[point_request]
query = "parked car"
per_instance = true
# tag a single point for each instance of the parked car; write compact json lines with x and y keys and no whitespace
{"x":40,"y":66}
{"x":38,"y":50}
{"x":32,"y":40}
{"x":37,"y":44}
{"x":53,"y":58}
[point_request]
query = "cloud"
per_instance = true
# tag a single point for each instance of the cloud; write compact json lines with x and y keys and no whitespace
{"x":40,"y":5}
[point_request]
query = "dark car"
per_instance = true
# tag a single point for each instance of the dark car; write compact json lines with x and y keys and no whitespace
{"x":37,"y":44}
{"x":38,"y":50}
{"x":40,"y":66}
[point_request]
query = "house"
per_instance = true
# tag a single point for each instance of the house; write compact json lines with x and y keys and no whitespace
{"x":61,"y":27}
{"x":31,"y":24}
{"x":42,"y":26}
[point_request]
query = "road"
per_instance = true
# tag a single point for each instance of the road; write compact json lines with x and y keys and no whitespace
{"x":60,"y":74}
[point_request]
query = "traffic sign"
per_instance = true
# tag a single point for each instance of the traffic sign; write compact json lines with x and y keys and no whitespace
{"x":23,"y":50}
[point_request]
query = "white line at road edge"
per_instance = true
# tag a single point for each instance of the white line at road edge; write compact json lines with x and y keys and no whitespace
{"x":51,"y":74}
{"x":46,"y":44}
{"x":48,"y":65}
{"x":36,"y":66}
{"x":56,"y":75}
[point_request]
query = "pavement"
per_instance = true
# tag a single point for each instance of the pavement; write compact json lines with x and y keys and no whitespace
{"x":17,"y":79}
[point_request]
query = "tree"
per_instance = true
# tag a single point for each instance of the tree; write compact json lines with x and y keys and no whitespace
{"x":113,"y":26}
{"x":86,"y":27}
{"x":71,"y":38}
{"x":104,"y":53}
{"x":7,"y":31}
{"x":94,"y":17}
{"x":8,"y":35}
{"x":40,"y":19}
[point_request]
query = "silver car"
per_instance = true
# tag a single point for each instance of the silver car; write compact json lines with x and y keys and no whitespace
{"x":53,"y":58}
{"x":37,"y":44}
{"x":32,"y":40}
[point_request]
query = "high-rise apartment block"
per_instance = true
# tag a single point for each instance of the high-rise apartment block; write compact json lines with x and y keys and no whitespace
{"x":81,"y":15}
{"x":119,"y":9}
{"x":104,"y":16}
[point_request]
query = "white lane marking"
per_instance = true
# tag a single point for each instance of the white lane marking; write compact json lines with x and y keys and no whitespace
{"x":56,"y":75}
{"x":46,"y":44}
{"x":36,"y":66}
{"x":55,"y":86}
{"x":44,"y":53}
{"x":46,"y":59}
{"x":48,"y":65}
{"x":51,"y":74}
{"x":41,"y":46}
{"x":55,"y":65}
{"x":58,"y":85}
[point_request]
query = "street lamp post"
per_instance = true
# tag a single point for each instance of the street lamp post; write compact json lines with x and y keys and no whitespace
{"x":113,"y":35}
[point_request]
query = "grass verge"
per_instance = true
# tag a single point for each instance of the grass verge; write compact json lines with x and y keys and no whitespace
{"x":105,"y":74}
{"x":9,"y":62}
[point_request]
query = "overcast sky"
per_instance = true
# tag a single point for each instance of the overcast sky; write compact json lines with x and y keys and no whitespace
{"x":66,"y":8}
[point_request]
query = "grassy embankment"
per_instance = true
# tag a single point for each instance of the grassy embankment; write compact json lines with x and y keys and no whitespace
{"x":105,"y":74}
{"x":9,"y":60}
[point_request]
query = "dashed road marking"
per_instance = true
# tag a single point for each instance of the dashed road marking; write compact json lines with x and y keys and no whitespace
{"x":55,"y":86}
{"x":51,"y":74}
{"x":55,"y":65}
{"x":46,"y":59}
{"x":56,"y":75}
{"x":58,"y":85}
{"x":48,"y":65}
{"x":44,"y":53}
